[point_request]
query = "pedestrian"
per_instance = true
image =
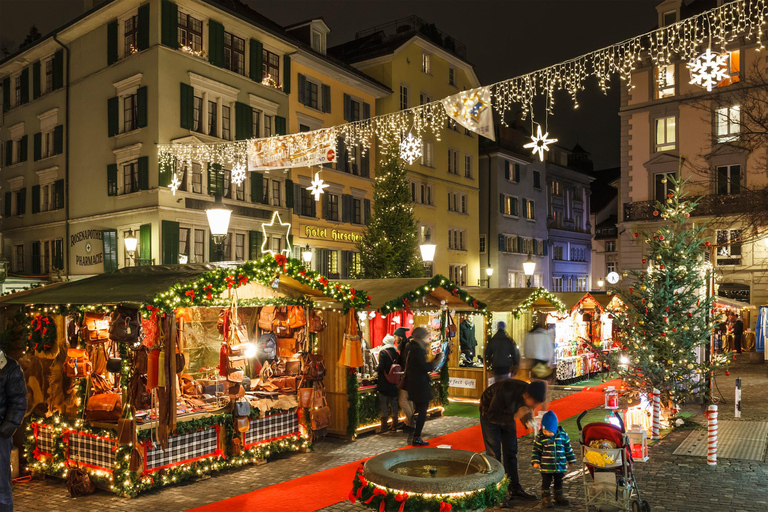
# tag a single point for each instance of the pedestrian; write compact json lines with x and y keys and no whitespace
{"x":401,"y":340}
{"x":13,"y":407}
{"x":500,"y":404}
{"x":552,"y":454}
{"x":387,"y":389}
{"x":417,"y":380}
{"x":738,"y":332}
{"x":502,"y":354}
{"x":540,"y":354}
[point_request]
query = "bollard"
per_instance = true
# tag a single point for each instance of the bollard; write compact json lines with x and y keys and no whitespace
{"x":737,"y":401}
{"x":656,"y":414}
{"x":712,"y":435}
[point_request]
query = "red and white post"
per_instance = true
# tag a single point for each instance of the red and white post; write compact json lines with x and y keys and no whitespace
{"x":656,"y":419}
{"x":712,"y":435}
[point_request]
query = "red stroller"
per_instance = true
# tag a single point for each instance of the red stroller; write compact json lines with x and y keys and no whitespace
{"x":608,"y":473}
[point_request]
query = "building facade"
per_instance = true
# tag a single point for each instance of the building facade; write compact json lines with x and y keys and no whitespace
{"x":604,"y":205}
{"x":421,"y":64}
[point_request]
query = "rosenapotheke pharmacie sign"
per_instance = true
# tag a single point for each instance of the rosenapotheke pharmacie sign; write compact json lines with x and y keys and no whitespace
{"x":87,"y":248}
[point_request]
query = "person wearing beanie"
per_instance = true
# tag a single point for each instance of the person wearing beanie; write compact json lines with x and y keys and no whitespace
{"x":500,"y":404}
{"x":401,"y":342}
{"x":552,"y":454}
{"x":387,"y":390}
{"x":417,"y":380}
{"x":502,"y":355}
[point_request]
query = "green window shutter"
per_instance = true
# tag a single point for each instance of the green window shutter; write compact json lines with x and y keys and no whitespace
{"x":58,"y":254}
{"x":502,"y":245}
{"x":170,"y":231}
{"x":326,"y":90}
{"x":280,"y":126}
{"x":7,"y":205}
{"x":145,"y":241}
{"x":58,"y":139}
{"x":24,"y":148}
{"x":141,"y":107}
{"x":22,"y":200}
{"x":170,"y":24}
{"x":302,"y":89}
{"x":111,"y":42}
{"x":37,"y":146}
{"x":36,"y":199}
{"x":25,"y":85}
{"x":58,"y":69}
{"x":366,"y":211}
{"x":289,"y":194}
{"x":215,"y":180}
{"x":8,"y":152}
{"x":501,"y":203}
{"x":143,"y":37}
{"x":143,"y":173}
{"x":6,"y":94}
{"x":216,"y":43}
{"x":113,"y":116}
{"x":109,"y":239}
{"x":165,"y":173}
{"x":256,"y":61}
{"x":36,"y":80}
{"x":347,"y":107}
{"x":243,"y":121}
{"x":187,"y":106}
{"x":546,"y":245}
{"x":286,"y":74}
{"x":366,"y":110}
{"x":255,"y":239}
{"x":58,"y":195}
{"x":112,"y":180}
{"x":257,"y":187}
{"x":36,"y":258}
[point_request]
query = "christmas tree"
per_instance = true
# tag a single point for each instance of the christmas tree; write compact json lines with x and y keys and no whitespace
{"x":390,"y":244}
{"x":665,"y":329}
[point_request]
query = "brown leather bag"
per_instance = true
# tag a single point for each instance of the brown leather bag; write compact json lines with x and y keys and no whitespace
{"x":292,"y":367}
{"x":280,"y":324}
{"x":104,"y":407}
{"x":125,"y":431}
{"x":236,"y":363}
{"x":320,"y":416}
{"x":296,"y":317}
{"x":286,"y":347}
{"x":235,"y":376}
{"x":316,"y":322}
{"x":318,"y":397}
{"x":290,"y":383}
{"x":141,"y":360}
{"x":267,"y":317}
{"x":305,"y":397}
{"x":79,"y":483}
{"x":278,"y":367}
{"x":95,"y":327}
{"x":314,"y":367}
{"x":242,"y":424}
{"x":77,"y":364}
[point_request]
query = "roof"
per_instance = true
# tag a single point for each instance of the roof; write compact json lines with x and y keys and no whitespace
{"x":508,"y":299}
{"x":602,"y":192}
{"x":383,"y":291}
{"x":571,"y":299}
{"x":604,"y":299}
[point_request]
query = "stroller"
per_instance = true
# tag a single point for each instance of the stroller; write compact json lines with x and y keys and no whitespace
{"x":608,"y":473}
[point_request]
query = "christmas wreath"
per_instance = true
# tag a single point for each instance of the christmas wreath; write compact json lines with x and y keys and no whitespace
{"x":42,"y":334}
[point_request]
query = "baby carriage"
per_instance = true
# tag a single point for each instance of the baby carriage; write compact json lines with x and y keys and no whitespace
{"x":608,"y":473}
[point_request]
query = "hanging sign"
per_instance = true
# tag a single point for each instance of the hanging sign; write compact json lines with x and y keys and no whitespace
{"x":299,"y":150}
{"x":472,"y":110}
{"x":457,"y":382}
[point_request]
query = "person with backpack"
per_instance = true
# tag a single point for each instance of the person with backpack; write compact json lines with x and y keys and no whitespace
{"x":503,"y":355}
{"x":389,"y":373}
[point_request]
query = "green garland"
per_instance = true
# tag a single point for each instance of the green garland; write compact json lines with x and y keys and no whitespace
{"x":436,"y":282}
{"x":353,"y":415}
{"x":539,"y":293}
{"x":372,"y":496}
{"x":367,"y":404}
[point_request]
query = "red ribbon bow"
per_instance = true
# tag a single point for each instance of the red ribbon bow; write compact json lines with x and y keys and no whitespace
{"x":190,"y":294}
{"x":230,"y":281}
{"x":376,"y":492}
{"x":352,"y":496}
{"x":401,"y":498}
{"x":445,"y":507}
{"x":281,"y":260}
{"x":242,"y":280}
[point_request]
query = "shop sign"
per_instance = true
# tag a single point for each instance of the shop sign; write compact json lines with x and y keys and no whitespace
{"x":325,"y":233}
{"x":458,"y":382}
{"x":298,"y":150}
{"x":87,"y":247}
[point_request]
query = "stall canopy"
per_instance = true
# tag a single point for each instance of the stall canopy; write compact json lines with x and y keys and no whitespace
{"x":513,"y":299}
{"x":384,"y":291}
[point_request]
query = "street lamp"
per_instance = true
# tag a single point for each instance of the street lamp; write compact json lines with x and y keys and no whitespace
{"x":427,"y":251}
{"x":600,"y":283}
{"x":489,"y":274}
{"x":130,"y":242}
{"x":306,"y":255}
{"x":529,"y":267}
{"x":218,"y":222}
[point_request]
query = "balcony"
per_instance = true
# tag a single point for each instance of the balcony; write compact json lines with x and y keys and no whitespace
{"x":710,"y":205}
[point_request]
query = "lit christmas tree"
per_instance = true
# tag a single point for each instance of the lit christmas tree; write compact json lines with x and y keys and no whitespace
{"x":666,"y":327}
{"x":390,"y":245}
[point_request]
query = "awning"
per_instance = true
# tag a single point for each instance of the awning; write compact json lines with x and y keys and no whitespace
{"x":383,"y":291}
{"x":732,"y":303}
{"x":510,"y":299}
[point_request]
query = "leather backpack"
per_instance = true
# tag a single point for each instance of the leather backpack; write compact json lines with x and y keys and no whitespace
{"x":316,"y":322}
{"x":77,"y":364}
{"x":125,"y":325}
{"x":267,"y":317}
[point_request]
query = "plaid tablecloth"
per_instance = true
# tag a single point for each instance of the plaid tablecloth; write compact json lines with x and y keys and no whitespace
{"x":44,"y":439}
{"x":195,"y":445}
{"x":271,"y":427}
{"x":90,"y":450}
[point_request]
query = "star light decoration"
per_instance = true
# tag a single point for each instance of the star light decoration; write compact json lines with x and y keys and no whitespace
{"x":469,"y":108}
{"x":709,"y":69}
{"x":174,"y":184}
{"x":276,"y":227}
{"x":539,"y":143}
{"x":316,"y":189}
{"x":238,"y":174}
{"x":410,"y":148}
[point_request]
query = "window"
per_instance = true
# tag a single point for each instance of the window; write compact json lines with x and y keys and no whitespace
{"x":47,"y":138}
{"x":317,"y":42}
{"x":662,"y":186}
{"x":733,"y":63}
{"x":581,"y":284}
{"x":311,"y":96}
{"x":453,"y":161}
{"x":557,"y":284}
{"x":512,"y":171}
{"x":458,"y":274}
{"x":424,"y":98}
{"x":256,"y":130}
{"x":184,"y":245}
{"x":728,"y":179}
{"x":557,"y":252}
{"x":307,"y":203}
{"x":190,"y":33}
{"x":510,"y":244}
{"x":427,"y":153}
{"x":271,"y":64}
{"x":267,"y":126}
{"x":457,"y":202}
{"x":413,"y":191}
{"x":356,"y":265}
{"x":47,"y":197}
{"x":130,"y":113}
{"x":239,"y":247}
{"x":578,"y":254}
{"x":557,"y":218}
{"x":555,"y":188}
{"x":131,"y":35}
{"x":665,"y":134}
{"x":403,"y":97}
{"x":130,"y":178}
{"x":456,"y":239}
{"x":467,"y":166}
{"x":49,"y":75}
{"x":18,"y":90}
{"x":669,"y":18}
{"x":354,"y":114}
{"x":528,"y":209}
{"x":611,"y":266}
{"x":509,"y":207}
{"x":212,"y":118}
{"x":728,"y":123}
{"x":227,"y":183}
{"x":18,"y":258}
{"x":482,"y":244}
{"x":332,"y":207}
{"x":199,"y":245}
{"x":729,"y":247}
{"x":451,"y":76}
{"x":610,"y":246}
{"x":426,"y":63}
{"x":225,"y":126}
{"x":198,"y":114}
{"x":537,"y":180}
{"x":276,"y":192}
{"x":357,"y":211}
{"x":665,"y":81}
{"x":197,"y":179}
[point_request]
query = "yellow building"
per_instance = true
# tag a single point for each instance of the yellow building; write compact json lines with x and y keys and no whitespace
{"x":421,"y":64}
{"x":327,"y":93}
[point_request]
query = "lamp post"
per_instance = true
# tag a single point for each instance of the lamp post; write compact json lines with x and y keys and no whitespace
{"x":600,"y":283}
{"x":529,"y":267}
{"x":218,"y":222}
{"x":306,"y":255}
{"x":427,"y":252}
{"x":131,"y":242}
{"x":489,"y":274}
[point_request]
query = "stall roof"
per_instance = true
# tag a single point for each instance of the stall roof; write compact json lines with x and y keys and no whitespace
{"x":570,"y":299}
{"x":383,"y":291}
{"x":509,"y":299}
{"x":605,"y":299}
{"x":732,"y":303}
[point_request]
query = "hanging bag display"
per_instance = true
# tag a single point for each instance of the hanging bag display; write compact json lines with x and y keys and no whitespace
{"x":95,"y":327}
{"x":305,"y":397}
{"x":78,"y":364}
{"x":242,"y":408}
{"x":115,"y":362}
{"x":267,"y":317}
{"x":266,"y":348}
{"x":125,"y":325}
{"x":104,"y":407}
{"x":296,"y":317}
{"x":280,"y":325}
{"x":320,"y":419}
{"x":316,"y":322}
{"x":314,"y":367}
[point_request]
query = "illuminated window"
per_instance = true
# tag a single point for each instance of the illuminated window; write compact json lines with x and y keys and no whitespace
{"x":665,"y":81}
{"x":665,"y":134}
{"x":728,"y":123}
{"x":426,"y":63}
{"x":190,"y":32}
{"x":728,"y":179}
{"x":733,"y":64}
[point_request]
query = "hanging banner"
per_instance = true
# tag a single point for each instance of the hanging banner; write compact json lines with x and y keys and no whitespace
{"x":298,"y":150}
{"x":472,"y":110}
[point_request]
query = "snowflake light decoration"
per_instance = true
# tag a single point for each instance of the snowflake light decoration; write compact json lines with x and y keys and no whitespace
{"x":539,"y":143}
{"x":709,"y":69}
{"x":238,"y":174}
{"x":174,"y":184}
{"x":316,"y":189}
{"x":410,"y":148}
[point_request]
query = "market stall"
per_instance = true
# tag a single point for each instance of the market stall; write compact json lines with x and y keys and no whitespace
{"x":148,"y":376}
{"x":722,"y":308}
{"x":434,"y":303}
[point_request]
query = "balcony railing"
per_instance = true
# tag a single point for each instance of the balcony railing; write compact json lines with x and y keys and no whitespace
{"x":710,"y":205}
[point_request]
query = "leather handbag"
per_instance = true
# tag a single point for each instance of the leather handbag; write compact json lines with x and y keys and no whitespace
{"x":189,"y":386}
{"x":314,"y":367}
{"x":125,"y":431}
{"x":278,"y":367}
{"x":236,"y":363}
{"x":316,"y":322}
{"x":286,"y":347}
{"x":296,"y":317}
{"x":95,"y":327}
{"x":267,"y":317}
{"x":114,"y":364}
{"x":125,"y":325}
{"x":451,"y":327}
{"x":320,"y":416}
{"x":292,"y":367}
{"x":181,"y":362}
{"x":77,"y":364}
{"x":104,"y":407}
{"x":318,"y":396}
{"x":279,"y":382}
{"x":153,"y":368}
{"x":266,"y":372}
{"x":305,"y":397}
{"x":280,"y":324}
{"x":242,"y":408}
{"x":242,"y":424}
{"x":235,"y":376}
{"x":290,"y":383}
{"x":236,"y":391}
{"x":141,"y":360}
{"x":79,"y":483}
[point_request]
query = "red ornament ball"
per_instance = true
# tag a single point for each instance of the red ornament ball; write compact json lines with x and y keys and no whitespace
{"x":661,"y":267}
{"x":663,"y":333}
{"x":687,"y":215}
{"x":674,"y":329}
{"x":655,"y":213}
{"x":705,"y":243}
{"x":690,"y":315}
{"x":643,"y":260}
{"x":636,"y":235}
{"x":671,"y":194}
{"x":661,"y":237}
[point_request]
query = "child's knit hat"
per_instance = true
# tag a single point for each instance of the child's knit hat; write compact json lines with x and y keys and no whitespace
{"x":549,"y":421}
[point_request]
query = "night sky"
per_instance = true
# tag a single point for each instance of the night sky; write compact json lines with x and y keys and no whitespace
{"x":504,"y":38}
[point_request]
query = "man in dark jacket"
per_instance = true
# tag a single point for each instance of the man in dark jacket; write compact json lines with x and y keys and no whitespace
{"x":499,"y":405}
{"x":502,"y":354}
{"x":417,"y":380}
{"x":388,"y":391}
{"x":13,"y":407}
{"x":738,"y":332}
{"x":401,"y":342}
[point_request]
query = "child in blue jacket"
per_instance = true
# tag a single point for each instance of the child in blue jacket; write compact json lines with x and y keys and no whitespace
{"x":552,"y":454}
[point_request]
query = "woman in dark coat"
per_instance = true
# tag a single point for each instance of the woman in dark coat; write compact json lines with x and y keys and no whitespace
{"x":388,"y":391}
{"x":417,"y":379}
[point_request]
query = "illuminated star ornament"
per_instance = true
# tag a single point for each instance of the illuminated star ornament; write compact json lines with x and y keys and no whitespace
{"x":316,"y":189}
{"x":709,"y":69}
{"x":174,"y":184}
{"x":238,"y":174}
{"x":470,"y":108}
{"x":410,"y":148}
{"x":276,"y":225}
{"x":539,"y":143}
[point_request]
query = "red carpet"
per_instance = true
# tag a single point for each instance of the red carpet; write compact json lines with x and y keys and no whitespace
{"x":326,"y":488}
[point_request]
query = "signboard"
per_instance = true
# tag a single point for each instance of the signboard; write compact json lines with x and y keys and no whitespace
{"x":457,"y":382}
{"x":87,"y":249}
{"x":325,"y":233}
{"x":299,"y":150}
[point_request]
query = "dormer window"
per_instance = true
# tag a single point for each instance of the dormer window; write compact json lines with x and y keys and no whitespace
{"x":669,"y":18}
{"x":318,"y":41}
